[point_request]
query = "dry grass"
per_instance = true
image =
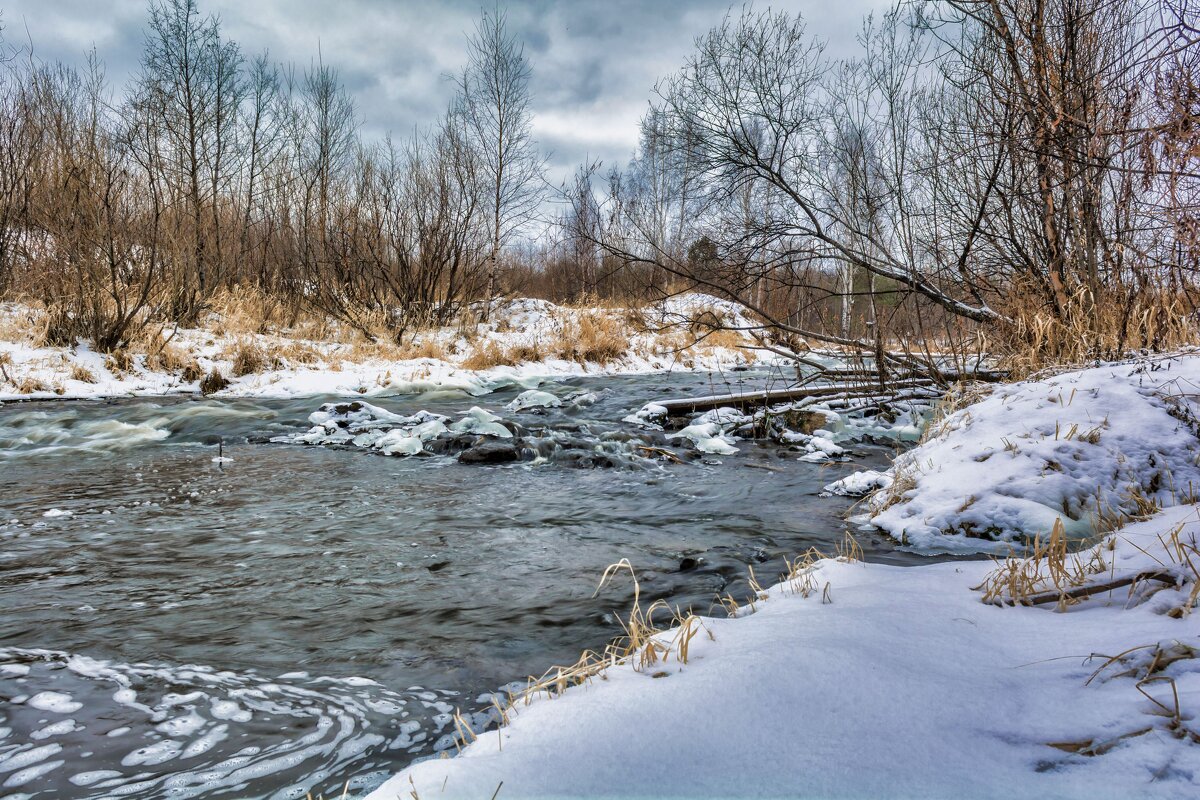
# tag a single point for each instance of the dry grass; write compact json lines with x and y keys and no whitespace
{"x":243,"y":310}
{"x":173,"y":359}
{"x":485,"y":355}
{"x":287,"y":351}
{"x":213,"y":382}
{"x":1106,"y":327}
{"x":30,"y":384}
{"x":1052,"y":574}
{"x":904,"y":480}
{"x":24,"y":323}
{"x":82,"y":373}
{"x":249,"y":357}
{"x":590,"y":337}
{"x":1049,"y":568}
{"x":644,"y":644}
{"x":119,"y":362}
{"x":427,"y":347}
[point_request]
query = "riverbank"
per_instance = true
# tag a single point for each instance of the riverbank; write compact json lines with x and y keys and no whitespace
{"x":526,"y":340}
{"x":865,"y":680}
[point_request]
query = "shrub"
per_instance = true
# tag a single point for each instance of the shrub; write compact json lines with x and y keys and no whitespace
{"x":213,"y":382}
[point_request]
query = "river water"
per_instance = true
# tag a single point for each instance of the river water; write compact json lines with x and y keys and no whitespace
{"x":299,"y":617}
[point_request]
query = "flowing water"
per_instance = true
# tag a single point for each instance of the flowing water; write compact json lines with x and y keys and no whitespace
{"x":298,"y":617}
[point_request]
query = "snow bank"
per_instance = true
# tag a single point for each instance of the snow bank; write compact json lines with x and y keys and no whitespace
{"x":1075,"y":447}
{"x":302,"y":367}
{"x":882,"y":682}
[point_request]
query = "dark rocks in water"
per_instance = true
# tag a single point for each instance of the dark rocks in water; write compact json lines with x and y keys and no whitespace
{"x":449,"y":444}
{"x":491,"y":453}
{"x":687,"y":564}
{"x":437,"y":566}
{"x":587,"y":459}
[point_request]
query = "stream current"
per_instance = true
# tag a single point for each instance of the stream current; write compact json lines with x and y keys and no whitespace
{"x":298,"y":617}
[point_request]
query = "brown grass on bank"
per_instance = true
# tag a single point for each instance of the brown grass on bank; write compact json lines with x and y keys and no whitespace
{"x":30,"y":384}
{"x":119,"y":362}
{"x":1105,"y":327}
{"x":591,"y":337}
{"x":23,"y":322}
{"x":213,"y":382}
{"x":643,"y":645}
{"x":1048,"y":567}
{"x":249,"y":357}
{"x":485,"y":355}
{"x":243,"y":310}
{"x":1052,"y":574}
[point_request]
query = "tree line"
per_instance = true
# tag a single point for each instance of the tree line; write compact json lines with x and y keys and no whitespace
{"x":1016,"y":174}
{"x":983,"y":175}
{"x":215,"y":169}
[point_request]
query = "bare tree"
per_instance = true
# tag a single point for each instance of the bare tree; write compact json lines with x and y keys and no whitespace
{"x":190,"y":87}
{"x":494,"y":96}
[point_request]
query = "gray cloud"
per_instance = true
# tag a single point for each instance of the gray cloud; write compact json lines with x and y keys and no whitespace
{"x":594,"y":63}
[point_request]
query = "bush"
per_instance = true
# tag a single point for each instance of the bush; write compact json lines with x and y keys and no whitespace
{"x":213,"y":382}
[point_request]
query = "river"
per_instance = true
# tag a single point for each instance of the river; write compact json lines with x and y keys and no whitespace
{"x":297,"y":617}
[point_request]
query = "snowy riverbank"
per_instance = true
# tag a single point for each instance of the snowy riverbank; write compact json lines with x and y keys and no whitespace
{"x":526,"y":341}
{"x":863,"y":680}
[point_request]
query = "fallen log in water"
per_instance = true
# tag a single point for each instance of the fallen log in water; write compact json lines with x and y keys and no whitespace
{"x":765,"y":397}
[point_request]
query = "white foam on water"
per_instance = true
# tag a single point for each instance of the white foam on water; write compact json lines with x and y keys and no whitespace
{"x":94,"y":776}
{"x":29,"y":755}
{"x":57,"y":702}
{"x":184,"y":728}
{"x":55,"y":729}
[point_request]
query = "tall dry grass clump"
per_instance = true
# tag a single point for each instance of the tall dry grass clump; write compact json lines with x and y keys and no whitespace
{"x":242,"y":310}
{"x":1094,"y":325}
{"x":248,"y":357}
{"x":591,"y":337}
{"x":485,"y":355}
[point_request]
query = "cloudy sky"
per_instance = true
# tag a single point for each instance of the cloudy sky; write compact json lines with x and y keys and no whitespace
{"x":594,"y":63}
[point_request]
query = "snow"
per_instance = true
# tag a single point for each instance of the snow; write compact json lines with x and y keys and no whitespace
{"x":1068,"y":447}
{"x":43,"y":372}
{"x":533,"y":398}
{"x":882,"y":682}
{"x":858,"y":484}
{"x":708,"y":438}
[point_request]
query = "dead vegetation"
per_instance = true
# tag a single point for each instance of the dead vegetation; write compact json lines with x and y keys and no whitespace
{"x":590,"y":337}
{"x":213,"y":382}
{"x":1091,"y":327}
{"x":1051,"y":574}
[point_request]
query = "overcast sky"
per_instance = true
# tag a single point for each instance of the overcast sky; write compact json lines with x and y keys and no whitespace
{"x":594,"y":63}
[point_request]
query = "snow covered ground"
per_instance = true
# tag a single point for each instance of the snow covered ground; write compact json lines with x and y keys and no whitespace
{"x":659,"y":337}
{"x":864,"y":680}
{"x":1086,"y":448}
{"x":893,"y":682}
